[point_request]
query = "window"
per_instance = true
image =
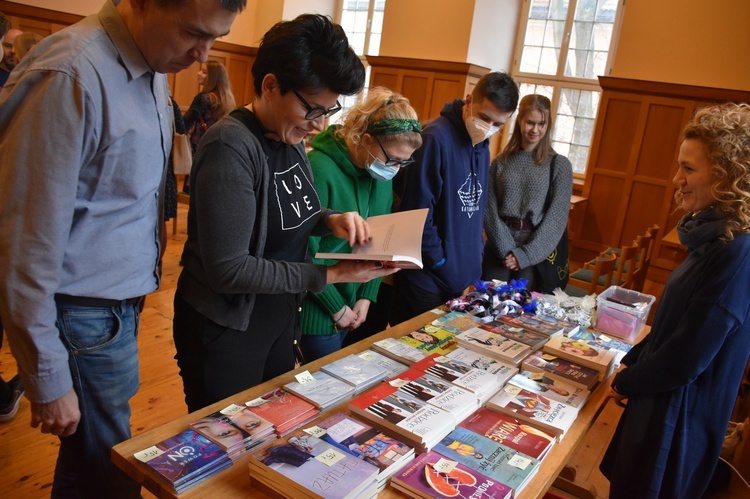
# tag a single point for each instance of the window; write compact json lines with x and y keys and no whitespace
{"x":562,"y":46}
{"x":362,"y":21}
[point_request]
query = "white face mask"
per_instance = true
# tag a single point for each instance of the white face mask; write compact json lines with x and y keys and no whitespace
{"x":479,"y":130}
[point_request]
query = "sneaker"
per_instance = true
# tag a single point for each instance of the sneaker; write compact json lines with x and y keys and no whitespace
{"x":11,"y":408}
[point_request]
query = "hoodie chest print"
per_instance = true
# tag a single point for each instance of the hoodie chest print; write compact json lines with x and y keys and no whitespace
{"x":469,"y":193}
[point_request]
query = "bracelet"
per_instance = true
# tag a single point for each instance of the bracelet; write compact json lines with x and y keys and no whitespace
{"x":336,"y":321}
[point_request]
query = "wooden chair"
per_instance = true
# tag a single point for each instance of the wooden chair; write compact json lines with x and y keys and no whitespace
{"x":645,"y":248}
{"x":602,"y":273}
{"x":625,"y":267}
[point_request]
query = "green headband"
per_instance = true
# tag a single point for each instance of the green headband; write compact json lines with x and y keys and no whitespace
{"x":394,"y":126}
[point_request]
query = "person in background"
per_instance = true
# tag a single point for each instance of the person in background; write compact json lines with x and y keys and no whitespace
{"x":213,"y":102}
{"x":353,"y":165}
{"x":449,"y":178}
{"x":23,"y":43}
{"x":253,"y":208}
{"x":80,"y":218}
{"x":8,"y":61}
{"x":680,"y":383}
{"x":11,"y":392}
{"x":520,"y":233}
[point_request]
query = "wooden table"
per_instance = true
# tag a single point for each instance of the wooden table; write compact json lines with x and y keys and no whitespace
{"x":235,"y":481}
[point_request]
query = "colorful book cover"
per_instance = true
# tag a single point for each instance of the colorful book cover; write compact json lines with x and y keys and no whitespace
{"x":234,"y":428}
{"x":363,"y":441}
{"x":582,"y":352}
{"x":510,"y":432}
{"x":493,"y":345}
{"x":183,"y":457}
{"x":551,"y":388}
{"x":315,"y":465}
{"x":398,"y":350}
{"x":562,"y":369}
{"x":596,"y":338}
{"x":430,"y":339}
{"x":548,"y":326}
{"x":533,"y":339}
{"x":456,"y":322}
{"x":283,"y":409}
{"x":477,"y":360}
{"x":480,"y":382}
{"x":492,"y":459}
{"x":440,"y":393}
{"x":421,"y":479}
{"x":550,"y":415}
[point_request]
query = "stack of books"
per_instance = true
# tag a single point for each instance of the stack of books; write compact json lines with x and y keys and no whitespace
{"x":551,"y":388}
{"x":510,"y":431}
{"x":356,"y":371}
{"x":366,"y":443}
{"x":235,"y":429}
{"x":601,"y":340}
{"x":285,"y":410}
{"x":561,"y":369}
{"x":430,"y":339}
{"x":581,"y":352}
{"x":490,"y":458}
{"x":456,"y":322}
{"x":392,"y":367}
{"x":320,"y":389}
{"x":548,"y":326}
{"x":184,"y":460}
{"x":398,"y":351}
{"x":482,"y":384}
{"x":493,"y":345}
{"x":475,"y":359}
{"x":438,"y":392}
{"x":533,"y":339}
{"x":431,"y":475}
{"x":416,"y":422}
{"x":300,"y":465}
{"x":551,"y":416}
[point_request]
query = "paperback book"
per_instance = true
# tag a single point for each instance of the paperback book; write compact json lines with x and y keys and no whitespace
{"x":431,"y":475}
{"x":582,"y":352}
{"x":235,"y":429}
{"x":482,"y":383}
{"x":392,"y":367}
{"x":416,"y":422}
{"x":430,"y":339}
{"x":361,"y":440}
{"x":493,"y":345}
{"x":438,"y":392}
{"x":456,"y":322}
{"x":500,"y":369}
{"x":356,"y":371}
{"x":551,"y":388}
{"x":550,"y":415}
{"x":510,"y":431}
{"x":321,"y":389}
{"x":561,"y":369}
{"x":398,"y":350}
{"x":285,"y":410}
{"x":599,"y":339}
{"x":494,"y":460}
{"x":184,"y":460}
{"x":301,"y":465}
{"x":548,"y":326}
{"x":534,"y":340}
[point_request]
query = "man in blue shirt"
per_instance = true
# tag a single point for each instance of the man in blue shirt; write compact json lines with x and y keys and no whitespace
{"x":87,"y":130}
{"x":450,"y":177}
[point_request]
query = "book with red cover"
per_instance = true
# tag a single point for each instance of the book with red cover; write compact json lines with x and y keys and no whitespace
{"x":510,"y":432}
{"x":285,"y":410}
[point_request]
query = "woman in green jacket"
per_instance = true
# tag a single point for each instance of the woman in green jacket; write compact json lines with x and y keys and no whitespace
{"x":353,"y":165}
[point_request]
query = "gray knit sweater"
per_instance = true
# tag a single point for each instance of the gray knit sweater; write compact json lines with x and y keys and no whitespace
{"x":518,"y":188}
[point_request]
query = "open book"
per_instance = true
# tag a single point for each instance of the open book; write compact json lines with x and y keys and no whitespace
{"x":396,"y":237}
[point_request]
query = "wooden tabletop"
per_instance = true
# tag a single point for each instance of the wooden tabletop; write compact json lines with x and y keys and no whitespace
{"x":235,"y":481}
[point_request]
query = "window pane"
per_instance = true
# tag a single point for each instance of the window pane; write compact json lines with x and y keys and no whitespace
{"x":376,"y":26}
{"x":357,"y":41}
{"x":374,"y":48}
{"x":539,"y":9}
{"x":575,"y":124}
{"x":530,"y":59}
{"x":592,"y":32}
{"x":535,"y":32}
{"x":548,"y":61}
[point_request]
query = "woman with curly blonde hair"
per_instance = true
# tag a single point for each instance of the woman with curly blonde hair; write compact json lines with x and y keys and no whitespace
{"x":353,"y":165}
{"x":681,"y":381}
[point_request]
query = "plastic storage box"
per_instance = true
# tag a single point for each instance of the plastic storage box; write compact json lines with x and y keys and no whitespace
{"x":622,"y":312}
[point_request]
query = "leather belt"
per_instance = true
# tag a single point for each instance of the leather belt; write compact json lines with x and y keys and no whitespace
{"x":518,"y":223}
{"x":83,"y":301}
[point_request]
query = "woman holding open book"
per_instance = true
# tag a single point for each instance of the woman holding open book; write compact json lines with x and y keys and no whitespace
{"x":681,"y":381}
{"x":353,"y":165}
{"x":253,"y":208}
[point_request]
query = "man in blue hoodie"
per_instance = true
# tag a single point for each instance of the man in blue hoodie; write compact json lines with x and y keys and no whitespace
{"x":450,"y":178}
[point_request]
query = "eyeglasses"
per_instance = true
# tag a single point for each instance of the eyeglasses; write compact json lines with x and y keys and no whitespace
{"x":314,"y":113}
{"x":400,"y":163}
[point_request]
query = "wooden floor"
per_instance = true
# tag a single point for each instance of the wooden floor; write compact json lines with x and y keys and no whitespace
{"x":27,"y":457}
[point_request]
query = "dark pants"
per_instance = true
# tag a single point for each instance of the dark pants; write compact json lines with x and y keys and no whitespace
{"x":216,"y":362}
{"x":410,"y":300}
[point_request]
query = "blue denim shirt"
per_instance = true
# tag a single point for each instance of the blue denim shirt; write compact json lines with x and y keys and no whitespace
{"x":86,"y":132}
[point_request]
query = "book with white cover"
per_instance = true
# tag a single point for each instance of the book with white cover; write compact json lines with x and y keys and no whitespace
{"x":323,"y":390}
{"x":356,"y":371}
{"x":551,"y":388}
{"x":440,"y":393}
{"x":398,"y":350}
{"x":493,"y":345}
{"x":550,"y":415}
{"x":482,"y":383}
{"x":396,"y":237}
{"x":392,"y":367}
{"x":502,"y":370}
